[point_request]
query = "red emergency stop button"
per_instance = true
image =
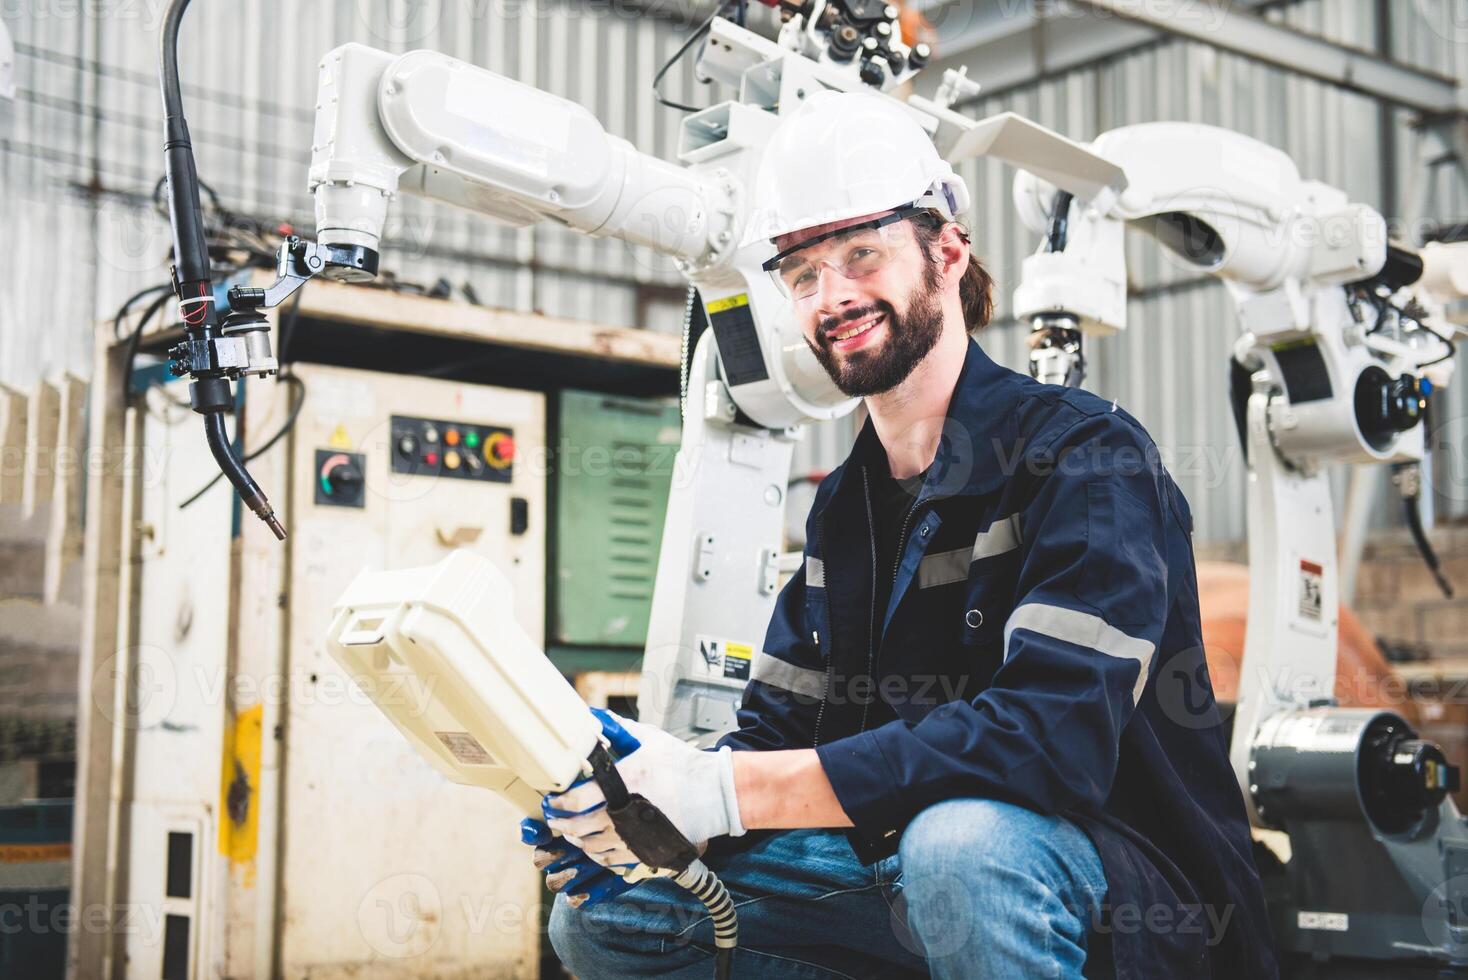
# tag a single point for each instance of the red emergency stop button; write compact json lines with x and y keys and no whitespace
{"x":499,"y":450}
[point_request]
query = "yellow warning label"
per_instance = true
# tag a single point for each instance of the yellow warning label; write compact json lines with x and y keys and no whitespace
{"x":25,"y":853}
{"x":736,"y":660}
{"x":340,"y":439}
{"x":727,"y":303}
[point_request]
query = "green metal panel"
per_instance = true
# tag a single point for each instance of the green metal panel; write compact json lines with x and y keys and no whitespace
{"x":614,"y":465}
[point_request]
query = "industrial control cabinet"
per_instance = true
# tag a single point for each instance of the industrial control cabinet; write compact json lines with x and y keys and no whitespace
{"x":614,"y":465}
{"x":274,"y":823}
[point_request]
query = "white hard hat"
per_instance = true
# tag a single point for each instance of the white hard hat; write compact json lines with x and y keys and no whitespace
{"x":844,"y":154}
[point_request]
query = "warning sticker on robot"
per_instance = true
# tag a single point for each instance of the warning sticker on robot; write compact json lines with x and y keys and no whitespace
{"x":711,"y":650}
{"x":736,"y":660}
{"x":726,"y":658}
{"x":465,"y":748}
{"x":1311,"y":589}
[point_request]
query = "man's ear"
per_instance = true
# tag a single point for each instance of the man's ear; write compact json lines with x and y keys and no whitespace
{"x":953,"y":252}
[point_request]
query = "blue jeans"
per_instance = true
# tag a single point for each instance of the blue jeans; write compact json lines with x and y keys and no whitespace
{"x":978,"y":888}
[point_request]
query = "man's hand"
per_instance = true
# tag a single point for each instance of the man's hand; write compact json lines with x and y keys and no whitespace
{"x":568,"y":869}
{"x":693,"y":788}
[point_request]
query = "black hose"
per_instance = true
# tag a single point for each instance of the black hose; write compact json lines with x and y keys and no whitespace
{"x":657,"y":79}
{"x":135,"y":341}
{"x":1408,"y":478}
{"x":1240,"y":387}
{"x":209,"y":395}
{"x":127,"y":306}
{"x":1059,"y":222}
{"x":190,"y":246}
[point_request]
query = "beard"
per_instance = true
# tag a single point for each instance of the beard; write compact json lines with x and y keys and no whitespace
{"x":882,"y":367}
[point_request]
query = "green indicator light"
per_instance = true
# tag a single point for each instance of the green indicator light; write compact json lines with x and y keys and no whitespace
{"x":325,"y":485}
{"x":472,"y":439}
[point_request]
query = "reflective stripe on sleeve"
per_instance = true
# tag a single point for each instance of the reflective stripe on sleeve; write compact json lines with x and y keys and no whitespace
{"x":1084,"y":630}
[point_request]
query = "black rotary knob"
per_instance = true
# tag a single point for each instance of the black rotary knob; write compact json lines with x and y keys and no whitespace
{"x":345,"y":478}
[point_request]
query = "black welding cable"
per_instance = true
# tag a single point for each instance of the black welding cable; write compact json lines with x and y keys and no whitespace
{"x":657,"y":79}
{"x":1059,"y":222}
{"x":209,"y":395}
{"x":135,"y":340}
{"x":1408,"y":478}
{"x":127,"y":306}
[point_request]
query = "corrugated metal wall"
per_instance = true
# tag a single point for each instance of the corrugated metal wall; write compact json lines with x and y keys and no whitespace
{"x":81,"y":161}
{"x":79,"y":167}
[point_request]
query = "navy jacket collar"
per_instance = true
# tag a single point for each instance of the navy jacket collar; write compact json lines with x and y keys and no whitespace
{"x":971,"y":449}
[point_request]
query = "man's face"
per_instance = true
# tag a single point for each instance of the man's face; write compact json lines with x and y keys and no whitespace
{"x":868,"y":332}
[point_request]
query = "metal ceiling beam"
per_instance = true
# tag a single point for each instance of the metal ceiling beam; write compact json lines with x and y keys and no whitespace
{"x":1231,"y":28}
{"x":1014,"y":43}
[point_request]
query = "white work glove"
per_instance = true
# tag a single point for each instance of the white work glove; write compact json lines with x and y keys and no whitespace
{"x":693,"y":788}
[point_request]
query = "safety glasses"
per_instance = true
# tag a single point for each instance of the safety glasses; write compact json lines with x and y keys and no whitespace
{"x":854,"y":251}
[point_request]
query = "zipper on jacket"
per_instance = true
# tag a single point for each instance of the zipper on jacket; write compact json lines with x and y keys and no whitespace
{"x":830,"y":637}
{"x":896,"y":566}
{"x":866,"y":490}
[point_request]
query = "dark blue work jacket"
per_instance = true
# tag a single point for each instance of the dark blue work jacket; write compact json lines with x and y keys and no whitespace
{"x":1044,"y":584}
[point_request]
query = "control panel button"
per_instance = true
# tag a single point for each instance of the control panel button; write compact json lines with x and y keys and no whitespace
{"x":499,"y":450}
{"x":459,"y":449}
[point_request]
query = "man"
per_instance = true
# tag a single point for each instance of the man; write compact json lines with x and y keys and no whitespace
{"x":961,"y":677}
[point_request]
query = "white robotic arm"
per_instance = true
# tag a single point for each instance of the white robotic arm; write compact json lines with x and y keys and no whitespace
{"x":439,"y":128}
{"x":1230,"y":206}
{"x":1339,"y":334}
